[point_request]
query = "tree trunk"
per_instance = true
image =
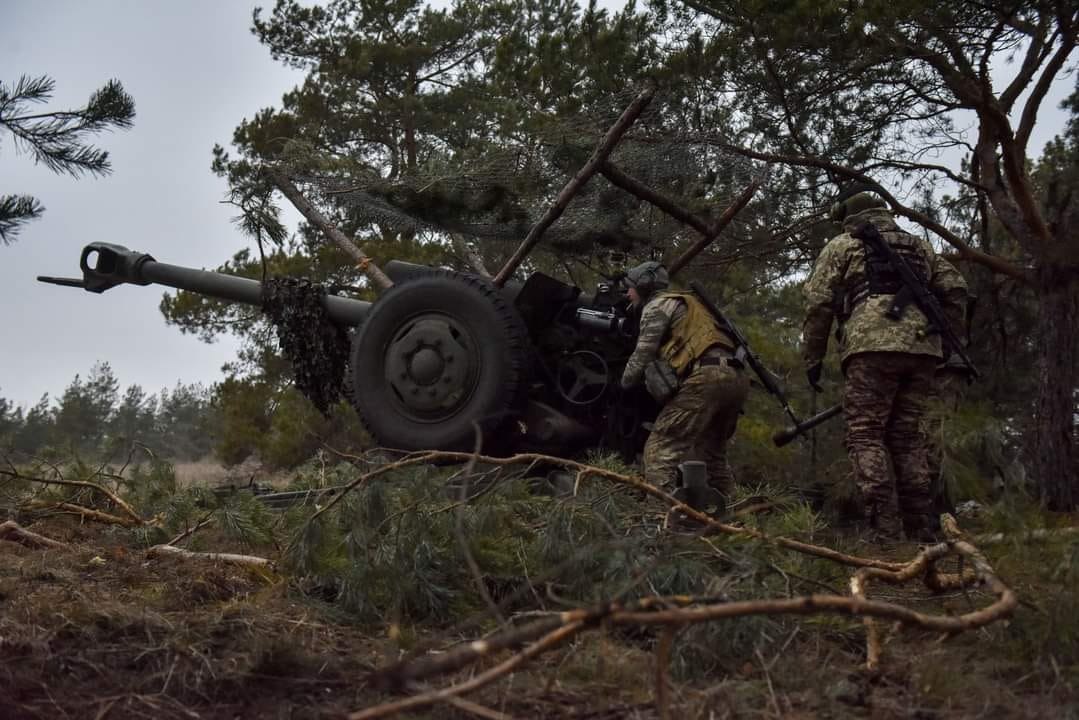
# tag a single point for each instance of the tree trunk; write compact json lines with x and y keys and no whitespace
{"x":1054,"y":452}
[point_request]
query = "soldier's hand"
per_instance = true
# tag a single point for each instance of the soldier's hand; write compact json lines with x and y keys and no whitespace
{"x":813,"y":373}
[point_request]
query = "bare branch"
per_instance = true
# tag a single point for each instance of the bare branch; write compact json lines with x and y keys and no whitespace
{"x":11,"y":530}
{"x":552,"y":639}
{"x":994,"y":263}
{"x":1041,"y":87}
{"x":249,"y":560}
{"x":128,"y":510}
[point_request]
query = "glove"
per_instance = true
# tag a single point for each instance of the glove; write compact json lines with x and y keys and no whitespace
{"x":813,"y":375}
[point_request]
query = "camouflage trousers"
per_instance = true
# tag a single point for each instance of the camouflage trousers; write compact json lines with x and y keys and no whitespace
{"x":884,"y":401}
{"x":696,"y":424}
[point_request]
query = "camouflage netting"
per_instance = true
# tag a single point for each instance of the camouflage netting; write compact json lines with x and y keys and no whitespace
{"x":316,"y":347}
{"x":499,"y":194}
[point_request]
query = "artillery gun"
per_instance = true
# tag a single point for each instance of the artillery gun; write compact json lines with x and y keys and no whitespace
{"x":444,"y":354}
{"x":442,"y":358}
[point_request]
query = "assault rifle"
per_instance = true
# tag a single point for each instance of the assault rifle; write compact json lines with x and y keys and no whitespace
{"x":914,"y":290}
{"x":744,"y":354}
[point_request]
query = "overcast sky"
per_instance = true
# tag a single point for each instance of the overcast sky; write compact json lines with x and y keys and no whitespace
{"x":195,"y":71}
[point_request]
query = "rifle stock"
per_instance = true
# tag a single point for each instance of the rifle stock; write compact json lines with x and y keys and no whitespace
{"x":767,"y":378}
{"x":790,"y":432}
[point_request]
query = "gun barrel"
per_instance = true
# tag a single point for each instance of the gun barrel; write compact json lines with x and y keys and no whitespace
{"x":607,"y":322}
{"x":105,"y":265}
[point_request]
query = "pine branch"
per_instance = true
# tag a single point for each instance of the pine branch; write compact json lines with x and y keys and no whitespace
{"x":27,"y":89}
{"x":675,"y":611}
{"x":57,"y":138}
{"x":85,"y":513}
{"x":14,"y":211}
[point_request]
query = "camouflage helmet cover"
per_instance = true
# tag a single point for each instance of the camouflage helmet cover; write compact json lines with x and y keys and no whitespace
{"x":855,"y":205}
{"x":648,"y":277}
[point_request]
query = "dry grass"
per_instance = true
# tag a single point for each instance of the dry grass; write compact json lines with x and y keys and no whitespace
{"x":210,"y":473}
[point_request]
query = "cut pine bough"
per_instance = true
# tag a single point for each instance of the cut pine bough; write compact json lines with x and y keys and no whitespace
{"x":551,"y":632}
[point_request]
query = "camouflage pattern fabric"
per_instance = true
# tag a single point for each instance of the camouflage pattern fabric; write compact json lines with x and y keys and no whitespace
{"x":696,"y":424}
{"x":656,"y":317}
{"x":884,"y":402}
{"x":840,"y":267}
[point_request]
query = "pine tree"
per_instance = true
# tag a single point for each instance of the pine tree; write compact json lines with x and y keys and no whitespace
{"x":10,"y":422}
{"x":85,"y":410}
{"x":57,"y":138}
{"x":36,"y":429}
{"x":133,"y":420}
{"x":839,"y":93}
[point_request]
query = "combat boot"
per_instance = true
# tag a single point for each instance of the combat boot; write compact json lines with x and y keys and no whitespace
{"x":882,"y":528}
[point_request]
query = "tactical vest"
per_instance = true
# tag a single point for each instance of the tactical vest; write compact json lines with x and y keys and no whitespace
{"x":879,"y":277}
{"x":692,"y":335}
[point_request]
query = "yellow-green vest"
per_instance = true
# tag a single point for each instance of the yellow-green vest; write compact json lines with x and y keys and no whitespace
{"x":693,"y":334}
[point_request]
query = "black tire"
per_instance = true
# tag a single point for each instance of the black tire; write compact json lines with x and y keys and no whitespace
{"x":435,"y":355}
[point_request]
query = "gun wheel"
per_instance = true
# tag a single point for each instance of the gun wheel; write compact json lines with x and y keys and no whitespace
{"x":435,"y":356}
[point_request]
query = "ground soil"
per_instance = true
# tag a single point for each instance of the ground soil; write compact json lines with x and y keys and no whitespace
{"x":101,"y":631}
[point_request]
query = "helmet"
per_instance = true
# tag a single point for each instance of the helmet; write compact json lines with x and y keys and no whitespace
{"x":859,"y":203}
{"x":648,"y":277}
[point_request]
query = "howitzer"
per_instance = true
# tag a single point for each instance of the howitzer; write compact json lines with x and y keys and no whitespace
{"x":534,"y":364}
{"x":745,"y":354}
{"x":914,"y":290}
{"x":443,"y":356}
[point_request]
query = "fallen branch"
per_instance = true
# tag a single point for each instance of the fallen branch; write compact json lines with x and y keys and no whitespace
{"x":471,"y":256}
{"x":409,"y":459}
{"x":128,"y":510}
{"x":687,"y":610}
{"x":551,"y":640}
{"x":584,"y":470}
{"x":206,"y":520}
{"x":578,"y":620}
{"x":87,"y":513}
{"x":248,"y":560}
{"x":854,"y":606}
{"x":11,"y":530}
{"x":644,"y":612}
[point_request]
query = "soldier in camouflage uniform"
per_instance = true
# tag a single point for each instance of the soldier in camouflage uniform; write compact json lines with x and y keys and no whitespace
{"x":888,"y":364}
{"x":697,"y":422}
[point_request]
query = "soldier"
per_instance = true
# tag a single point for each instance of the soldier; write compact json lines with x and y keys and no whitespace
{"x":888,"y":364}
{"x":699,"y":419}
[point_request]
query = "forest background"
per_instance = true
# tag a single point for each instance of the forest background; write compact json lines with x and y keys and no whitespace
{"x":935,"y":106}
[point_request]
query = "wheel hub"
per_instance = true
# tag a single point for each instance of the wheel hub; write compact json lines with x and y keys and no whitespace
{"x":427,"y":365}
